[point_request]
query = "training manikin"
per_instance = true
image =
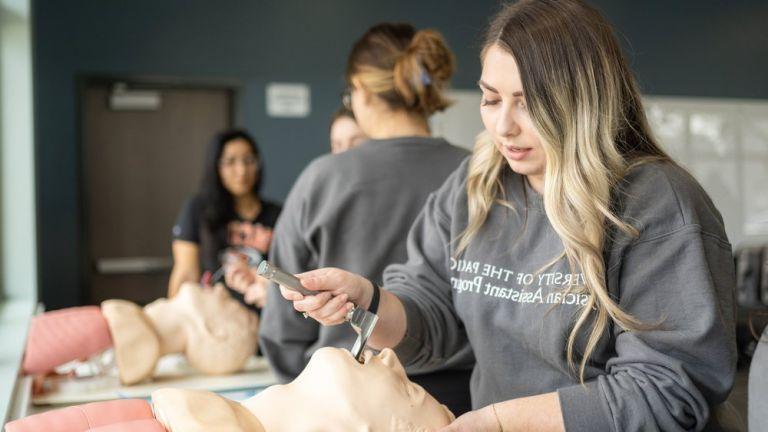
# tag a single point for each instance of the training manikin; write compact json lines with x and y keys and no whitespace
{"x":333,"y":393}
{"x":215,"y":332}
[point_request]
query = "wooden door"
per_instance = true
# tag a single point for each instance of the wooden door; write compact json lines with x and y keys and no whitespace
{"x":141,"y":160}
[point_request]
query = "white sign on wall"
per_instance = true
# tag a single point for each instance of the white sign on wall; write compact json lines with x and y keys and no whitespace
{"x":288,"y":100}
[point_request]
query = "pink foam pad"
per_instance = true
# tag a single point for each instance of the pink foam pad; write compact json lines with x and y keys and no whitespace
{"x":132,"y":426}
{"x":64,"y":335}
{"x":82,"y":418}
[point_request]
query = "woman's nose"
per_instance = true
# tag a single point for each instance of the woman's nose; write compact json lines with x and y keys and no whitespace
{"x":506,"y":124}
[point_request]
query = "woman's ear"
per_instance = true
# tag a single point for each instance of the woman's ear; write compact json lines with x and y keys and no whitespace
{"x":366,"y":96}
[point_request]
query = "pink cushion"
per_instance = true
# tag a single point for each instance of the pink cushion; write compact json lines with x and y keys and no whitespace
{"x":82,"y":418}
{"x":64,"y":335}
{"x":132,"y":426}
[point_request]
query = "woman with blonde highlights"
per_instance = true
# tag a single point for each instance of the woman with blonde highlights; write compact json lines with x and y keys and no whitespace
{"x":589,"y":274}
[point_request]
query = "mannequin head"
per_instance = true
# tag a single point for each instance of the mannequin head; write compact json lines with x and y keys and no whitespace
{"x":216,"y":333}
{"x":335,"y":392}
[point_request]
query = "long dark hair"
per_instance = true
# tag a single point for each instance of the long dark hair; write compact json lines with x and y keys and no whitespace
{"x":219,"y":204}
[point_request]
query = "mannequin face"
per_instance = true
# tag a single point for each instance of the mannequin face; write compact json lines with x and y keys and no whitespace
{"x":336,"y":393}
{"x":345,"y":134}
{"x":215,"y":331}
{"x":238,"y":167}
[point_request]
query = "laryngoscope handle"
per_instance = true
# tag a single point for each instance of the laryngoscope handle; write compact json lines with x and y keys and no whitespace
{"x":275,"y":274}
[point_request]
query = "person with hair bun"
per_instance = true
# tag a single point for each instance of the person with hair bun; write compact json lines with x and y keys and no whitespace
{"x":353,"y":209}
{"x":590,"y":274}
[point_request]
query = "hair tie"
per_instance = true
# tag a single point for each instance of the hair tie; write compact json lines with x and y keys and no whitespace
{"x":425,"y":78}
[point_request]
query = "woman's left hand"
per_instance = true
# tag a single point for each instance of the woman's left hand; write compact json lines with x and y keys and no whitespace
{"x":479,"y":420}
{"x":238,"y":276}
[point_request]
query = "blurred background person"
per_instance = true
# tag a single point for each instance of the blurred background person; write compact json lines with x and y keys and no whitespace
{"x":345,"y":132}
{"x":341,"y":202}
{"x":226,"y":215}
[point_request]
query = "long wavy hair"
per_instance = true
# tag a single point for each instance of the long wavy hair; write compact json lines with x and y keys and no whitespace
{"x":585,"y":104}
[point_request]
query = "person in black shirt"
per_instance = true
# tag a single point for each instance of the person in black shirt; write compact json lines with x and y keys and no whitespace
{"x":226,"y":214}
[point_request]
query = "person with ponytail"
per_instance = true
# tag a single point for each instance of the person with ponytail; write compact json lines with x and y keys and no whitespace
{"x":353,"y":209}
{"x":589,"y":274}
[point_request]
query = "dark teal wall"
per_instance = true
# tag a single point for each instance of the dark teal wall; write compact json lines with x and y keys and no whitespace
{"x":691,"y":48}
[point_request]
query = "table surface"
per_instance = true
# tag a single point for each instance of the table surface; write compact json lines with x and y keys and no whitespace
{"x":172,"y":371}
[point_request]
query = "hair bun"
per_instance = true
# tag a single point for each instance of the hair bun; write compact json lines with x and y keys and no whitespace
{"x":430,"y":49}
{"x":408,"y":69}
{"x":423,"y":71}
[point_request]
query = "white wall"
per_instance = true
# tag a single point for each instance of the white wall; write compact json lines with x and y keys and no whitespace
{"x":18,"y":256}
{"x":460,"y":123}
{"x":724,"y":144}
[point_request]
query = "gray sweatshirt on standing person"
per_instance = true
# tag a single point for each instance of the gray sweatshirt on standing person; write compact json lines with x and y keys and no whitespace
{"x":350,"y":210}
{"x":516,"y":317}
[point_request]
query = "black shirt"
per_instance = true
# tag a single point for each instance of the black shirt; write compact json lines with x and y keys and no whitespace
{"x":190,"y":226}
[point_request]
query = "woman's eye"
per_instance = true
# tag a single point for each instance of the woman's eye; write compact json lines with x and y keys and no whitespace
{"x":521,"y":104}
{"x":486,"y":102}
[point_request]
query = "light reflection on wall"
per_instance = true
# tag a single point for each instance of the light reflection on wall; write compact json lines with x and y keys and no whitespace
{"x":724,"y":143}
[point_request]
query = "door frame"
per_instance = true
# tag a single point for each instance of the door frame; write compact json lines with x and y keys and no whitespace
{"x":232,"y":86}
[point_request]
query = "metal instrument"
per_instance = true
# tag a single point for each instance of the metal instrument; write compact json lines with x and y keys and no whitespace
{"x":361,"y":320}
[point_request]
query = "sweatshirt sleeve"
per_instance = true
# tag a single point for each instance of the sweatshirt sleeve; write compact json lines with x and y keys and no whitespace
{"x":665,"y":378}
{"x":285,"y":336}
{"x":435,"y":336}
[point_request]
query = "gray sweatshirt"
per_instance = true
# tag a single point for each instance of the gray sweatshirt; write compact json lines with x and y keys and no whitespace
{"x":517,"y":318}
{"x":350,"y":210}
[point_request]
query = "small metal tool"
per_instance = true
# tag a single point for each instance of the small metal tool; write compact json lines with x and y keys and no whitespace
{"x":270,"y":271}
{"x":361,"y":320}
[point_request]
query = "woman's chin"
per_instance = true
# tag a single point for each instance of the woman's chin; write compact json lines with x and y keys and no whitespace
{"x":240,"y":191}
{"x":525,"y":168}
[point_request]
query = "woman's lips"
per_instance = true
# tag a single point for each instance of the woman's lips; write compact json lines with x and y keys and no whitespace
{"x":516,"y":153}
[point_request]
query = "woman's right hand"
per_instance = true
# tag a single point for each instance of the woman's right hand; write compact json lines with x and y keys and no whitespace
{"x":338,"y":292}
{"x":238,"y":276}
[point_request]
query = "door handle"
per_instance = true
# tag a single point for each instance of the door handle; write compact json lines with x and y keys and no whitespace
{"x":133,"y":265}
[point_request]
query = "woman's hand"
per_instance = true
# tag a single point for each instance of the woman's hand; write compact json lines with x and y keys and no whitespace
{"x":239,"y":277}
{"x":261,"y":238}
{"x":338,"y":292}
{"x":256,"y":293}
{"x":539,"y":412}
{"x":482,"y":420}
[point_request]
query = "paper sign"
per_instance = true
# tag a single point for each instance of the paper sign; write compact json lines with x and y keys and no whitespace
{"x":288,"y":100}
